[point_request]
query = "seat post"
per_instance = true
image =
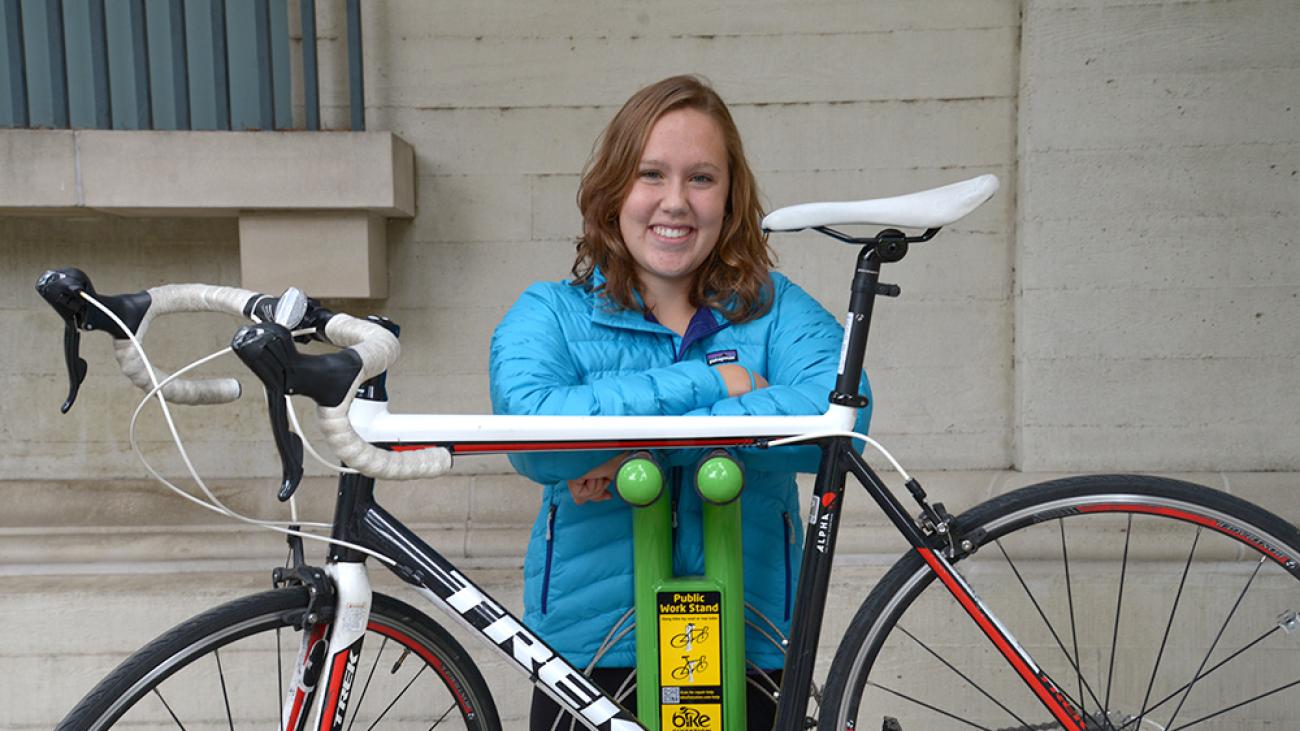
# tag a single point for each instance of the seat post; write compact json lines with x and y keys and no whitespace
{"x":862,"y":299}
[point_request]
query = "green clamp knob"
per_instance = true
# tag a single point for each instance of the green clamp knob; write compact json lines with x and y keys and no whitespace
{"x":639,"y":480}
{"x":719,"y":479}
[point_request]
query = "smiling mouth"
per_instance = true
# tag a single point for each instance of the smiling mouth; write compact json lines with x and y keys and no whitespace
{"x":671,"y":233}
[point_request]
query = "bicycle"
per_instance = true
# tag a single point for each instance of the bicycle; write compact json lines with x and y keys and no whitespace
{"x":1219,"y":562}
{"x":689,"y":667}
{"x":687,"y":638}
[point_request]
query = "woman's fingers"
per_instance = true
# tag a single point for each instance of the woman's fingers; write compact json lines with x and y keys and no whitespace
{"x":589,"y":490}
{"x":739,"y":379}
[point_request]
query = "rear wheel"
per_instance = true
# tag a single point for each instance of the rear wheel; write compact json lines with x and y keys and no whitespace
{"x":229,"y":668}
{"x":1152,"y":604}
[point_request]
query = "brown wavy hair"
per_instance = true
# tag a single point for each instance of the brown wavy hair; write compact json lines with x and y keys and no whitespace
{"x":734,"y":278}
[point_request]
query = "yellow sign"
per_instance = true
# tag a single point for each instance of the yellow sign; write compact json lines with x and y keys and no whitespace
{"x":690,"y":660}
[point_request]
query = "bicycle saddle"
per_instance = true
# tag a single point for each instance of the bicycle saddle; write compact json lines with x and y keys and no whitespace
{"x":932,"y":208}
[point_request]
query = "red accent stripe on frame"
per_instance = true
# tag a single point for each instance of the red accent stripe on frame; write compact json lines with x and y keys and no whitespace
{"x":294,"y":716}
{"x":335,"y":686}
{"x":296,"y":719}
{"x":1004,"y":646}
{"x":483,"y":447}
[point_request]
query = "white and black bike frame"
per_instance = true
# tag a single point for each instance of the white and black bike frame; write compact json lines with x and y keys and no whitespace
{"x":326,"y":676}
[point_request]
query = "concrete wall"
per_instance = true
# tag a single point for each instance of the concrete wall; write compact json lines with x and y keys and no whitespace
{"x":1157,"y":259}
{"x":501,"y":140}
{"x":1130,"y":300}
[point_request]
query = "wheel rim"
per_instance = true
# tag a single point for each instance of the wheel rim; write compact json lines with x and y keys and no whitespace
{"x":237,"y":678}
{"x":1168,"y":661}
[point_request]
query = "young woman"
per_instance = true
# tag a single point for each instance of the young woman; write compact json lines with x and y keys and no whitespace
{"x":672,"y":310}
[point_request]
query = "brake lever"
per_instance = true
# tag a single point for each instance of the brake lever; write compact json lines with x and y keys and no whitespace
{"x":62,"y":289}
{"x":77,"y":367}
{"x":266,"y":349}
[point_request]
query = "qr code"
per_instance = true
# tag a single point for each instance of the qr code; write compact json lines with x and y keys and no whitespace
{"x":670,"y":695}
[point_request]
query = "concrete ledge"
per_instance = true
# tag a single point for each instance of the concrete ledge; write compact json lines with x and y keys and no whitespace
{"x":311,"y":205}
{"x":38,"y":169}
{"x":205,"y":173}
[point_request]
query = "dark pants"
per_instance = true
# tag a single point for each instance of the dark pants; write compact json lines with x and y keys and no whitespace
{"x":759,"y":705}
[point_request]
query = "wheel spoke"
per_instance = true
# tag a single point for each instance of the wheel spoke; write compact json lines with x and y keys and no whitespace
{"x":928,"y":706}
{"x":962,"y":675}
{"x":170,"y":712}
{"x":1050,"y":628}
{"x":1155,"y":670}
{"x":1119,"y":604}
{"x":224,"y":695}
{"x":754,"y":672}
{"x":1205,"y":674}
{"x":400,"y":693}
{"x":369,"y":677}
{"x":1238,"y":705}
{"x":438,"y":721}
{"x":1226,"y":620}
{"x":1074,"y":632}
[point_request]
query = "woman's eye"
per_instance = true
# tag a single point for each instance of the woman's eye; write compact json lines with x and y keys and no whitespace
{"x":702,"y":179}
{"x":650,"y":175}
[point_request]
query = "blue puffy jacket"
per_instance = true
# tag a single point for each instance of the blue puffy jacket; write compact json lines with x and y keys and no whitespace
{"x":561,"y":350}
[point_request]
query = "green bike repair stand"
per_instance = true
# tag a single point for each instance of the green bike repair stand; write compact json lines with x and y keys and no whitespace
{"x":690,"y":640}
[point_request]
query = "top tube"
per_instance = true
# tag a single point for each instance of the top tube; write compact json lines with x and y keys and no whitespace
{"x":493,"y":434}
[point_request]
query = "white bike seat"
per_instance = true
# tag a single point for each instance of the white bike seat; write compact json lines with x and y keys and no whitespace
{"x":927,"y":209}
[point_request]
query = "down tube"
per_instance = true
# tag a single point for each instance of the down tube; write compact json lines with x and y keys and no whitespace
{"x":814,"y":577}
{"x":1039,"y":683}
{"x":440,"y":581}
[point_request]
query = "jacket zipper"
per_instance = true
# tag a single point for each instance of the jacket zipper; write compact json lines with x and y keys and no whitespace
{"x":675,"y":477}
{"x":550,"y":552}
{"x":789,"y":543}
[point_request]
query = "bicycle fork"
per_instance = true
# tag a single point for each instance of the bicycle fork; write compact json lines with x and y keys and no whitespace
{"x":327,"y":658}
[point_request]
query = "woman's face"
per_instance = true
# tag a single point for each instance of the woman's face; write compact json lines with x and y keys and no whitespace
{"x":672,"y":216}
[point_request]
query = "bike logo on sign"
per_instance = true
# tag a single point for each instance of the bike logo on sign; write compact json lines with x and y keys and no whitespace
{"x":689,"y":719}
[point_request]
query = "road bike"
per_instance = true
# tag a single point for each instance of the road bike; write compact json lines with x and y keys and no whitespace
{"x":689,"y":667}
{"x":1099,"y":603}
{"x":687,"y":638}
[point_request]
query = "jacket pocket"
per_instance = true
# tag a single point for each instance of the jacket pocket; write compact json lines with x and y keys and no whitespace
{"x":787,"y":525}
{"x":550,"y":553}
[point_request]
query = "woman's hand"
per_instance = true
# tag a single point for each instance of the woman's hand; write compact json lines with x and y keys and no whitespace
{"x":594,"y":486}
{"x":737,"y":379}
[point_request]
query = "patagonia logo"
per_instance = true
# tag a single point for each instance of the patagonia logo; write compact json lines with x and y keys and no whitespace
{"x":721,"y":356}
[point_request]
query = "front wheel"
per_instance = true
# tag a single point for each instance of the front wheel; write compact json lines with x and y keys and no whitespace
{"x":1152,"y":604}
{"x":230,"y":667}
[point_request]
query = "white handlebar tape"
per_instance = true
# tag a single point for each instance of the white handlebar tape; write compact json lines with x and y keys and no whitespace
{"x":171,"y":298}
{"x":378,"y":349}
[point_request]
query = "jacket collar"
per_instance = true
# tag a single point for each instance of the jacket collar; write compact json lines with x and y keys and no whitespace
{"x":704,"y":323}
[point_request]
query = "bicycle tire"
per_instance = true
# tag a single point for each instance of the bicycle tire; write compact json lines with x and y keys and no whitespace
{"x":1211,"y":579}
{"x":240,"y":632}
